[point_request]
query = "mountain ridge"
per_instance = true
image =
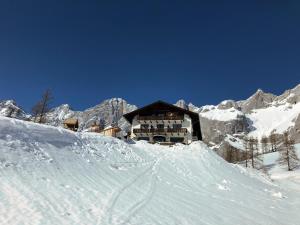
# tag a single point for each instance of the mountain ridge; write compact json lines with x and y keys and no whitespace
{"x":256,"y":115}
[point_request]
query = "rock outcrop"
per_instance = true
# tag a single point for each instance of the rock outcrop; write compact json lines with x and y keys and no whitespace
{"x":9,"y":108}
{"x":258,"y":100}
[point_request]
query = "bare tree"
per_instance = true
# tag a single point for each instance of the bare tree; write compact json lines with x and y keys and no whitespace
{"x":230,"y":154}
{"x":288,"y":156}
{"x":257,"y":156}
{"x":274,"y":139}
{"x":246,"y":147}
{"x":42,"y":107}
{"x":251,"y":150}
{"x":252,"y":155}
{"x":264,"y":144}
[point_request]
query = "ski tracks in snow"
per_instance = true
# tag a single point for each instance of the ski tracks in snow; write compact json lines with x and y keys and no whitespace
{"x":115,"y":218}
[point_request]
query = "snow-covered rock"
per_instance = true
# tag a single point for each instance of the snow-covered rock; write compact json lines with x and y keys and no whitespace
{"x":9,"y":108}
{"x":108,"y":112}
{"x":51,"y":176}
{"x":258,"y":100}
{"x":182,"y":104}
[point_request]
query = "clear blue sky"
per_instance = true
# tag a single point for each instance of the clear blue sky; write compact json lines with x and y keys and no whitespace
{"x":88,"y":51}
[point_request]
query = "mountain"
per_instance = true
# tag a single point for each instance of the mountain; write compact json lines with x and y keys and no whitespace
{"x":182,"y":104}
{"x":108,"y":112}
{"x":258,"y":100}
{"x":50,"y":175}
{"x":261,"y":114}
{"x":9,"y":108}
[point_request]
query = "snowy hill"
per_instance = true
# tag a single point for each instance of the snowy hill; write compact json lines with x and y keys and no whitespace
{"x":53,"y":176}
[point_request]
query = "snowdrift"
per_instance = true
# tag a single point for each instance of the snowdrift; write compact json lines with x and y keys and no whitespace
{"x":53,"y":176}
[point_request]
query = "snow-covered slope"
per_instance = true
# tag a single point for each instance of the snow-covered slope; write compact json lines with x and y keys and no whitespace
{"x":276,"y":118}
{"x":280,"y":174}
{"x":53,"y":176}
{"x":213,"y":113}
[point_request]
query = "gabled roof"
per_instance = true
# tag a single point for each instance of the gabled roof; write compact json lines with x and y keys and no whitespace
{"x":160,"y":104}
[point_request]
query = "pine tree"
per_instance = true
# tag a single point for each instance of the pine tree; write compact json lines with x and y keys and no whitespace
{"x":288,"y":156}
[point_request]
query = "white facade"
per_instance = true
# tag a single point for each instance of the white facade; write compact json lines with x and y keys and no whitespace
{"x":162,"y":129}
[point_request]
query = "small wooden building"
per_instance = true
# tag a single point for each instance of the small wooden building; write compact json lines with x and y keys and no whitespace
{"x":95,"y":128}
{"x":71,"y":124}
{"x":110,"y":131}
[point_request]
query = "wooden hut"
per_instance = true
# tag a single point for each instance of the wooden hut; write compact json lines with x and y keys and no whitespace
{"x":71,"y":124}
{"x":110,"y":131}
{"x":95,"y":128}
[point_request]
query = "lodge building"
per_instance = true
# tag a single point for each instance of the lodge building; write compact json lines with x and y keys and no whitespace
{"x":164,"y":123}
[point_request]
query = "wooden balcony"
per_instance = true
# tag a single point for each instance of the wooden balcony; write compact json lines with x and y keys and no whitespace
{"x":160,"y":131}
{"x":165,"y":117}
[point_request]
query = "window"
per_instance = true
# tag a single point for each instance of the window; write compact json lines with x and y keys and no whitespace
{"x":160,"y":126}
{"x":177,"y":126}
{"x":144,"y":126}
{"x":143,"y":138}
{"x":176,"y":139}
{"x":159,"y":139}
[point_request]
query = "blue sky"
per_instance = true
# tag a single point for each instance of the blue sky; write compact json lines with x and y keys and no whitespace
{"x":88,"y":51}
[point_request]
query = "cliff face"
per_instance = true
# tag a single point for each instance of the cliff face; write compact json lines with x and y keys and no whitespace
{"x":258,"y":100}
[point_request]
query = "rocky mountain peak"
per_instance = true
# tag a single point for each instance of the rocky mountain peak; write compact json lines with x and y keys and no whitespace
{"x":182,"y":104}
{"x":9,"y":108}
{"x":258,"y":100}
{"x":227,"y":104}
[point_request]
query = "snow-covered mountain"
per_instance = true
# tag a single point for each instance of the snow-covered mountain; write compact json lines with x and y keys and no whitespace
{"x":108,"y":112}
{"x":51,"y":176}
{"x":260,"y":114}
{"x":9,"y":108}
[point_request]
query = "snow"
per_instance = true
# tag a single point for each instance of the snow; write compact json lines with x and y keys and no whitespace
{"x":53,"y":176}
{"x":280,"y":174}
{"x":213,"y":113}
{"x":274,"y":118}
{"x":235,"y":142}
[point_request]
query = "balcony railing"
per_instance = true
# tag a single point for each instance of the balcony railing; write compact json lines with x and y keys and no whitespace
{"x":160,"y":131}
{"x":165,"y":117}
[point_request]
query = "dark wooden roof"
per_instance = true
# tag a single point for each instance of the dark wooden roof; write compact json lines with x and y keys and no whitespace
{"x":164,"y":106}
